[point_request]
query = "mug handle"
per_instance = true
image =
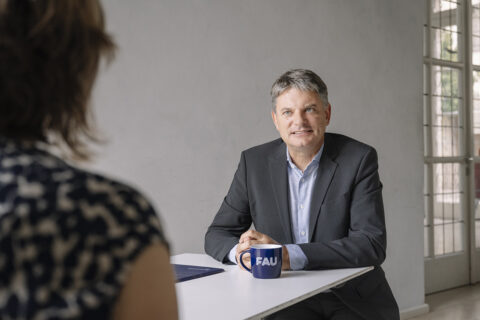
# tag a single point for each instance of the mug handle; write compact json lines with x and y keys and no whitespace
{"x":241,"y":260}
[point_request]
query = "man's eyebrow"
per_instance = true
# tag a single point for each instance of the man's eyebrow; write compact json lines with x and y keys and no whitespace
{"x":309,"y":105}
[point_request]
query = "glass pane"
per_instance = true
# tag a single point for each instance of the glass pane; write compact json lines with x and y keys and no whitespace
{"x":448,"y":9}
{"x":439,"y":247}
{"x":445,"y":44}
{"x":477,"y":233}
{"x":425,"y":44}
{"x":445,"y":139}
{"x":448,"y":237}
{"x":426,"y":202}
{"x":477,"y":206}
{"x":446,"y":180}
{"x":425,"y":110}
{"x":425,"y":184}
{"x":446,"y":82}
{"x":426,"y":212}
{"x":476,"y":50}
{"x":476,"y":112}
{"x":425,"y":140}
{"x":425,"y":242}
{"x":447,"y":208}
{"x":426,"y":122}
{"x":426,"y":78}
{"x":445,"y":24}
{"x":457,"y":236}
{"x":475,"y":21}
{"x":447,"y":126}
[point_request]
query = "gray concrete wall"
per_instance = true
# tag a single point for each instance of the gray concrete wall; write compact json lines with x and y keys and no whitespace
{"x":189,"y":90}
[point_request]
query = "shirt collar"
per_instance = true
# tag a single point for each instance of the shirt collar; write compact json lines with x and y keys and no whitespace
{"x":315,"y":159}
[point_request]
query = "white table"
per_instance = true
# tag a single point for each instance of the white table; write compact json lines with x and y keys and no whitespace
{"x":236,"y":294}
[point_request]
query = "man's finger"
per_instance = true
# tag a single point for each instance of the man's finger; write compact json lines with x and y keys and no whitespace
{"x":250,"y":234}
{"x":245,"y":259}
{"x":246,"y":238}
{"x":246,"y":245}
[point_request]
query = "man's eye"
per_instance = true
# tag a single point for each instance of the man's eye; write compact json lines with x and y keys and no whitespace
{"x":309,"y":109}
{"x":287,"y":113}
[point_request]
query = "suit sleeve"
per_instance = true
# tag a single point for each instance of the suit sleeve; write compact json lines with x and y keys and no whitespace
{"x":232,"y":219}
{"x":365,"y":243}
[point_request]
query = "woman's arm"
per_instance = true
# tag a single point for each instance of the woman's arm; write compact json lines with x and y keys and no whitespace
{"x":149,"y":292}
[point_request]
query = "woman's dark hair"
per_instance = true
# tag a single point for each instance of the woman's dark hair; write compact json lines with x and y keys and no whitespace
{"x":49,"y":56}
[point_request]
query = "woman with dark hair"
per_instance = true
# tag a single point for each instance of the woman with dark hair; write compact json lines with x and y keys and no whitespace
{"x":73,"y":244}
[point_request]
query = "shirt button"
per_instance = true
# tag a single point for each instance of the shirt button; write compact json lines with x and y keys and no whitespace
{"x":301,"y":206}
{"x":302,"y":233}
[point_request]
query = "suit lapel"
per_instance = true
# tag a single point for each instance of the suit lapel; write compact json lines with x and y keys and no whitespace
{"x":326,"y":170}
{"x":279,"y":178}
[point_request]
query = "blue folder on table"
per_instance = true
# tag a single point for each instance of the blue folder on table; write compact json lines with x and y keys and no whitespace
{"x":185,"y":272}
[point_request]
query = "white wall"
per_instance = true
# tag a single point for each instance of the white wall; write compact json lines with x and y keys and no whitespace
{"x":189,"y":90}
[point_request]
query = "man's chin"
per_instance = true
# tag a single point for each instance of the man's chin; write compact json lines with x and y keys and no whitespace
{"x":301,"y":146}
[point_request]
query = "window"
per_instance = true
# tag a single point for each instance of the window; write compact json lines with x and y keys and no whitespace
{"x":451,"y":122}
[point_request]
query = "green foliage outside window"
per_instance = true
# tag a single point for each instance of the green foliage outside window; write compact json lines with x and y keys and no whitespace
{"x":449,"y":76}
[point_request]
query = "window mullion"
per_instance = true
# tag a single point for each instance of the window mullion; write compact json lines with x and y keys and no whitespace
{"x":429,"y":139}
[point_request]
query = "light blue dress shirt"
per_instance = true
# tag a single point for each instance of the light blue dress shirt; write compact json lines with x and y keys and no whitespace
{"x":300,"y":191}
{"x":300,"y":185}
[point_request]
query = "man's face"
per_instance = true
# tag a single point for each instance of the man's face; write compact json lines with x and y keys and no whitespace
{"x":301,"y":119}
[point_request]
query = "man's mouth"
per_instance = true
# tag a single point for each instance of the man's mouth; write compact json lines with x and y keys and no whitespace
{"x":301,"y":132}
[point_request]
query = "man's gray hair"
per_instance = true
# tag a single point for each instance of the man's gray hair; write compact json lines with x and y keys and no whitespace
{"x":302,"y":79}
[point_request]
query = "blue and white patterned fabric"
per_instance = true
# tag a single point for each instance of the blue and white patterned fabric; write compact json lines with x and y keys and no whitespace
{"x":67,"y":237}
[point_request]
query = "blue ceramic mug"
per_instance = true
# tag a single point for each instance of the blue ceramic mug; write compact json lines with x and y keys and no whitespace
{"x":266,"y":260}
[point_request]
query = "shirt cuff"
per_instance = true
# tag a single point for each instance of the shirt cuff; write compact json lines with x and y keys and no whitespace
{"x":232,"y":253}
{"x":298,"y":259}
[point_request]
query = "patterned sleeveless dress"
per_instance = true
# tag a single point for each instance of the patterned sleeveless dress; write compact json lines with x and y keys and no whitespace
{"x":67,"y":237}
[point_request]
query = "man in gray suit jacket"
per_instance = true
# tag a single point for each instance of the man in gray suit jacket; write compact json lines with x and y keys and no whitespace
{"x":319,"y":195}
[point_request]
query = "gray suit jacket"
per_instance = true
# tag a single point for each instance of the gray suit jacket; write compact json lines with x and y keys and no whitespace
{"x":347,"y":225}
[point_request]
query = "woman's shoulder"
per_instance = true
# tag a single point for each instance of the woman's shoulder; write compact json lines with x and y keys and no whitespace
{"x":49,"y":185}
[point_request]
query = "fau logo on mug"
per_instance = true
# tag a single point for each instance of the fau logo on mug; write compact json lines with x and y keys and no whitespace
{"x":266,"y":260}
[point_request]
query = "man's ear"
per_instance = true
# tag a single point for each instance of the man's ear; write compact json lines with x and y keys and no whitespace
{"x":328,"y":113}
{"x":274,"y":118}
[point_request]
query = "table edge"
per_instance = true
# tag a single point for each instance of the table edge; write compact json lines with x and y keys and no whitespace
{"x":308,"y":295}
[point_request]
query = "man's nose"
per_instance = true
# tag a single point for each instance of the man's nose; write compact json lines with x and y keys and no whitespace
{"x":298,"y":118}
